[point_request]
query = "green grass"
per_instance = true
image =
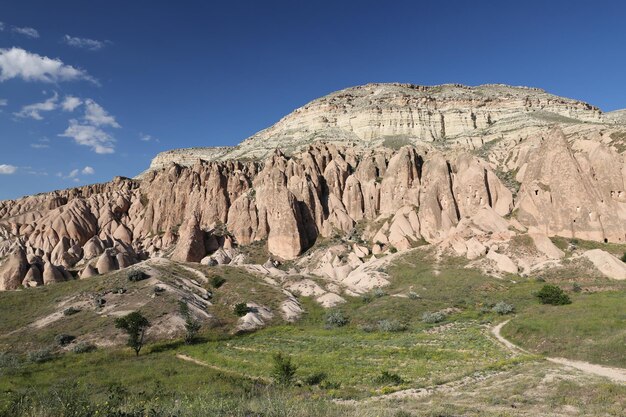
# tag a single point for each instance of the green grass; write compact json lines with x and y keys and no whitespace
{"x":354,"y":358}
{"x":238,"y":376}
{"x":617,"y":249}
{"x":592,"y":328}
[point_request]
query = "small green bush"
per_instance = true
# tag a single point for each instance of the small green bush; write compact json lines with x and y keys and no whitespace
{"x":64,"y":339}
{"x":40,"y":356}
{"x":284,"y":370}
{"x":192,"y":326}
{"x":387,"y":378}
{"x":336,"y":318}
{"x":413,"y":295}
{"x":8,"y":361}
{"x":316,"y":378}
{"x":217,"y":281}
{"x":576,"y":287}
{"x":391,"y":326}
{"x":137,"y":275}
{"x":84,"y":347}
{"x":70,"y":311}
{"x":378,"y":292}
{"x":503,"y":308}
{"x":241,"y":309}
{"x":393,"y":249}
{"x":553,"y":295}
{"x":623,"y":258}
{"x":436,"y":317}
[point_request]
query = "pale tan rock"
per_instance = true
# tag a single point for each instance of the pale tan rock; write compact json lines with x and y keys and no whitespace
{"x":13,"y":269}
{"x":360,"y":251}
{"x":330,"y":300}
{"x":190,"y":246}
{"x":88,"y":272}
{"x":545,"y":246}
{"x":606,"y":263}
{"x":475,"y":249}
{"x":52,"y":274}
{"x":503,"y":263}
{"x":106,"y":263}
{"x":93,"y":247}
{"x":306,"y":288}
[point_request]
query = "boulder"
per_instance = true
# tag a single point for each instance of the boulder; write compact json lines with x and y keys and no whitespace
{"x":475,"y":249}
{"x":502,"y":262}
{"x":545,"y":246}
{"x":606,"y":263}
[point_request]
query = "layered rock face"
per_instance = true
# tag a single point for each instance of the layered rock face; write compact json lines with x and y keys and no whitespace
{"x":373,"y":114}
{"x":566,"y":180}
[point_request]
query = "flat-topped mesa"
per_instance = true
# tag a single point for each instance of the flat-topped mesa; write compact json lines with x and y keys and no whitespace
{"x":376,"y":114}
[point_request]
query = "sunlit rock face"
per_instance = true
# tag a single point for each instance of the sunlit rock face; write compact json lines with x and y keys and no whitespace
{"x":396,"y":163}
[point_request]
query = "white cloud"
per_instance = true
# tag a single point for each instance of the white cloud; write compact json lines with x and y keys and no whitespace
{"x":97,"y":116}
{"x":84,"y":43}
{"x":145,"y":138}
{"x":34,"y":110}
{"x":70,"y":103}
{"x":7,"y":169}
{"x":72,"y":174}
{"x":1,"y":26}
{"x":39,"y":146}
{"x":26,"y":31}
{"x":98,"y":140}
{"x":3,"y":102}
{"x":88,"y":171}
{"x":18,"y":63}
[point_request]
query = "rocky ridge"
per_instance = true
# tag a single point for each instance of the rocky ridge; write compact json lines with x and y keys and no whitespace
{"x":375,"y":169}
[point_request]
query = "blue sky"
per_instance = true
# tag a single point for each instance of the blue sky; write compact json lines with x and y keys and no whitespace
{"x":94,"y":89}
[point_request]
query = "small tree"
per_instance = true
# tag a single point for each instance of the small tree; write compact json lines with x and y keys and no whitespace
{"x":136,"y":275}
{"x":192,"y":326}
{"x":135,"y":326}
{"x":553,"y":295}
{"x":241,"y":309}
{"x":284,"y":370}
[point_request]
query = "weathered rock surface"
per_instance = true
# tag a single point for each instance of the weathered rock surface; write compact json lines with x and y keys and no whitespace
{"x":13,"y":270}
{"x":606,"y":263}
{"x":467,"y":167}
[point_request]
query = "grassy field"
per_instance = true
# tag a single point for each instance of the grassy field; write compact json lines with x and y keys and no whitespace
{"x":236,"y":378}
{"x":592,"y":328}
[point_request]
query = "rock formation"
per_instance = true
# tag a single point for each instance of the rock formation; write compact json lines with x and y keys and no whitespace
{"x":391,"y":165}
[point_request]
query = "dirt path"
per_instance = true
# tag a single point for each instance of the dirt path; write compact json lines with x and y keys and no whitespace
{"x":217,"y":368}
{"x":614,"y":374}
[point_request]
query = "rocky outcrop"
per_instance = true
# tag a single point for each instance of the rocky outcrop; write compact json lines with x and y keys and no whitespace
{"x":575,"y":195}
{"x":190,"y":247}
{"x":396,"y":114}
{"x":389,"y":165}
{"x":14,"y":269}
